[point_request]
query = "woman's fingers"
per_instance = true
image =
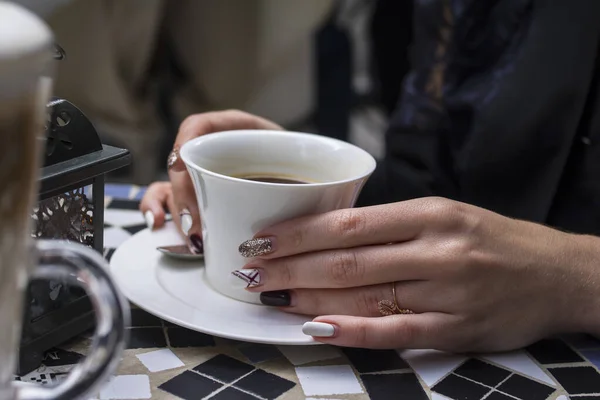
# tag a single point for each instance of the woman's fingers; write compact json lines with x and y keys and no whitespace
{"x":210,"y":122}
{"x":185,"y":202}
{"x":186,"y":209}
{"x":363,"y":301}
{"x":397,"y":222}
{"x":154,"y":202}
{"x":183,"y":210}
{"x":343,"y":268}
{"x":418,"y":331}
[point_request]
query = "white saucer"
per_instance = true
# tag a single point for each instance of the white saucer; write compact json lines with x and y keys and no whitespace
{"x":176,"y":291}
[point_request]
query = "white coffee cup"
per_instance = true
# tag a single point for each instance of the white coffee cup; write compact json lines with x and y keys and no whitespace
{"x":234,"y":209}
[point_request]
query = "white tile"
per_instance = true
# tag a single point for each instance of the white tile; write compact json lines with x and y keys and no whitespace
{"x":562,"y":397}
{"x":320,"y":398}
{"x":134,"y":191}
{"x":114,"y":237}
{"x":519,"y":361}
{"x":328,"y":380}
{"x":300,"y":355}
{"x":431,"y":365}
{"x":127,"y":387}
{"x":118,"y":217}
{"x":160,"y":360}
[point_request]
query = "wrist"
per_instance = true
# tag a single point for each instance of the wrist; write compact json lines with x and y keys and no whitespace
{"x":584,"y":304}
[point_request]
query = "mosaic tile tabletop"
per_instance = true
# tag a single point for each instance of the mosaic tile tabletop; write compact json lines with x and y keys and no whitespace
{"x":164,"y":361}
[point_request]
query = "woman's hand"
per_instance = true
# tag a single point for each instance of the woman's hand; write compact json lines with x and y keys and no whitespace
{"x":476,"y":281}
{"x":178,"y":196}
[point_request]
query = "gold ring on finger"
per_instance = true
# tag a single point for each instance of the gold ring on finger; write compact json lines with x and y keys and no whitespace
{"x":172,"y":159}
{"x":390,"y":307}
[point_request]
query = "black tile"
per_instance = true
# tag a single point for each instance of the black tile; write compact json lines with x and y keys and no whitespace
{"x":582,"y":341}
{"x":390,"y":386}
{"x":482,"y":372}
{"x":109,"y":254}
{"x":258,"y":353}
{"x":190,"y":386}
{"x":577,"y":380}
{"x":525,"y":388}
{"x":140,"y":318}
{"x":182,"y":337}
{"x":455,"y":387}
{"x":56,"y":357}
{"x":224,"y":368}
{"x":124,"y":204}
{"x":553,"y":351}
{"x":134,"y":228}
{"x":145,"y":338}
{"x":264,"y":384}
{"x":498,"y":396}
{"x":232,"y":394}
{"x":365,"y":360}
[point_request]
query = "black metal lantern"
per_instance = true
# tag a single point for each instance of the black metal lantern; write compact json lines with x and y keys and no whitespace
{"x":70,"y":207}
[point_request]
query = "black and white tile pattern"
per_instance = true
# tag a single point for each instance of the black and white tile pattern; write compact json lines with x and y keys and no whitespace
{"x":164,"y":361}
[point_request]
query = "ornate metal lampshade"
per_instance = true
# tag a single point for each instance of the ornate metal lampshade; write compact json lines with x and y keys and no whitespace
{"x":70,"y":207}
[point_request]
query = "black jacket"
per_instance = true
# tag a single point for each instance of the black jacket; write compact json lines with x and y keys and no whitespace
{"x":501,"y":110}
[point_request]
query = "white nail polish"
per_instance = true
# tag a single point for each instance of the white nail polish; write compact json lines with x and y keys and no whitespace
{"x":186,"y":222}
{"x":149,"y":217}
{"x":318,"y":329}
{"x":245,"y":278}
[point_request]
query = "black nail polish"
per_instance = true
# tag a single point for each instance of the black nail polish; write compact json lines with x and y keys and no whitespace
{"x":197,"y":245}
{"x":278,"y":298}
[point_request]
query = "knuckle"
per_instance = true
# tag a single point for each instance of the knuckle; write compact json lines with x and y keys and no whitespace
{"x":285,"y":273}
{"x":344,"y":268}
{"x":347,"y":223}
{"x":189,"y":120}
{"x":159,"y":186}
{"x":366,"y":303}
{"x":297,"y":236}
{"x":459,"y":248}
{"x":408,"y":331}
{"x":451,"y":215}
{"x":361,"y":333}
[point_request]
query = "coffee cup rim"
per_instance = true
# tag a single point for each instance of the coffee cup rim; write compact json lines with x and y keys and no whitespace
{"x":187,"y":147}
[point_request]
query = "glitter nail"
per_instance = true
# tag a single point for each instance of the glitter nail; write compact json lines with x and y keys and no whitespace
{"x":256,"y":247}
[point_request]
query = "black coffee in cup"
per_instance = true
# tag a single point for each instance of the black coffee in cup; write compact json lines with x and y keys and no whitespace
{"x":273,"y":178}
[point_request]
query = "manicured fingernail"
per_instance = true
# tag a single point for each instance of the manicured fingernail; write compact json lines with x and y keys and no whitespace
{"x":186,"y":221}
{"x":247,"y":278}
{"x":256,"y":247}
{"x":278,"y":298}
{"x":318,"y":329}
{"x":149,"y":217}
{"x":196,"y":244}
